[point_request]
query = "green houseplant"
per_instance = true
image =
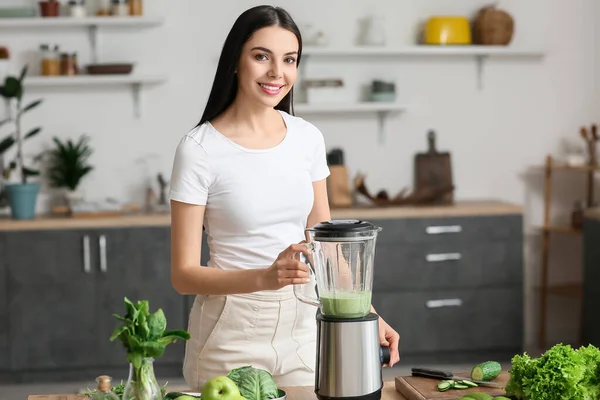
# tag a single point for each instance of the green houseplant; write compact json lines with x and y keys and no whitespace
{"x":20,"y":192}
{"x":144,"y":336}
{"x":68,"y":165}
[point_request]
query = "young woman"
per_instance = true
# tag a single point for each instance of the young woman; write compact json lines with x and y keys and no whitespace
{"x":254,"y":176}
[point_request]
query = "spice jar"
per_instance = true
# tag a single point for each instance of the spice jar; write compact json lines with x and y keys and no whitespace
{"x":68,"y":64}
{"x":76,"y":8}
{"x":135,"y":7}
{"x":119,"y":8}
{"x":50,"y":64}
{"x":103,"y":8}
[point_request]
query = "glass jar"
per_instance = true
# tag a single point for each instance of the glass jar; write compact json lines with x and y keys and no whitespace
{"x":76,"y":8}
{"x":142,"y":383}
{"x":68,"y":64}
{"x":104,"y":391}
{"x":119,"y":8}
{"x":135,"y":7}
{"x":103,"y":8}
{"x":50,"y":64}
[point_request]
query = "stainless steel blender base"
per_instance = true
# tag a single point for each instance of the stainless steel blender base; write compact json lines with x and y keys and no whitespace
{"x":349,"y":358}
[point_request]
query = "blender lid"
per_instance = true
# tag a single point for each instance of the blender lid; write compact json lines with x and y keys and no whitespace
{"x":346,"y":228}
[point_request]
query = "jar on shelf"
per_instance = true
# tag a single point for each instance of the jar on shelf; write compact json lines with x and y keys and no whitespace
{"x":68,"y":64}
{"x":50,"y":64}
{"x":77,"y":8}
{"x":135,"y":7}
{"x":119,"y":8}
{"x":103,"y":7}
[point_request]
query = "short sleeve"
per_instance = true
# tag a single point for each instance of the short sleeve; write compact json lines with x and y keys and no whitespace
{"x":190,"y":177}
{"x":319,"y":169}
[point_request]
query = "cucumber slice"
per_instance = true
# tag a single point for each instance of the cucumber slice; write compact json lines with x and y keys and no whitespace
{"x":486,"y":371}
{"x":469,"y":383}
{"x":445,"y":385}
{"x":460,"y":386}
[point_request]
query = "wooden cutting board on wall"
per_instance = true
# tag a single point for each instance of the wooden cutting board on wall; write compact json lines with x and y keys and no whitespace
{"x":433,"y":170}
{"x":417,"y":388}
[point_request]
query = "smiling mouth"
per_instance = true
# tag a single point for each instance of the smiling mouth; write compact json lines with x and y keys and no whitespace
{"x":271,"y":89}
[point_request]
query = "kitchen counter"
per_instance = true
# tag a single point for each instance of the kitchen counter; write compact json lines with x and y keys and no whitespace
{"x":293,"y":393}
{"x":593,"y":213}
{"x":462,"y":208}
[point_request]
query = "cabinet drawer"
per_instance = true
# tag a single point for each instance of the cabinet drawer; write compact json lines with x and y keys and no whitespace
{"x":454,"y":320}
{"x":447,"y":265}
{"x":454,"y":229}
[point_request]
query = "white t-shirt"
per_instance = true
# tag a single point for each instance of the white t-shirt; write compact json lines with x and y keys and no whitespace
{"x":257,"y":201}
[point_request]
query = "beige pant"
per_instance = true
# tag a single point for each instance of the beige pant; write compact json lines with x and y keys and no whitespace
{"x":273,"y":331}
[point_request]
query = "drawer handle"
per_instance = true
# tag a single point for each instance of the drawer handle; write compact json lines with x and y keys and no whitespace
{"x":436,"y":230}
{"x":86,"y":255}
{"x":442,"y":257}
{"x":444,"y":303}
{"x":102,"y":245}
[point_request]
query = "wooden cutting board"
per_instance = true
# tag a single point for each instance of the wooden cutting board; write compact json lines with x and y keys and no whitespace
{"x":417,"y":388}
{"x":433,"y":170}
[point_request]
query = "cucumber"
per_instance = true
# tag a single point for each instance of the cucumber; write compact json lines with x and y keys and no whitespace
{"x":480,"y":396}
{"x":469,"y":383}
{"x":445,"y":385}
{"x":486,"y":371}
{"x":459,"y":385}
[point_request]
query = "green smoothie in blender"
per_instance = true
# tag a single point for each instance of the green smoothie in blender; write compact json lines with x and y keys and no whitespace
{"x":353,"y":304}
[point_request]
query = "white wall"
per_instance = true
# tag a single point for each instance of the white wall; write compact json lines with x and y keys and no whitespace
{"x":494,"y":135}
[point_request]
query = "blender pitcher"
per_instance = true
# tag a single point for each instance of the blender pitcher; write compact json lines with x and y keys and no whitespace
{"x":341,"y":266}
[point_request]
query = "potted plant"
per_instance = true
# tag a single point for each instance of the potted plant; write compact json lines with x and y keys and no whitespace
{"x":68,"y":164}
{"x":20,"y":192}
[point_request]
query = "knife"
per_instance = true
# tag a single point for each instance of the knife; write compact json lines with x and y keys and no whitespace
{"x":437,"y":374}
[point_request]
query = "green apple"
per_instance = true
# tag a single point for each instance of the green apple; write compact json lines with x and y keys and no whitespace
{"x":220,"y":388}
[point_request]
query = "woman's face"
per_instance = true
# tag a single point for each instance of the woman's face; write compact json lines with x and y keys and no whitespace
{"x":267,"y":68}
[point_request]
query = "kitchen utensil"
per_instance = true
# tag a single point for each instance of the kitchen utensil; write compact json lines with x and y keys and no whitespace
{"x":447,"y":30}
{"x":438,"y":374}
{"x":338,"y":182}
{"x":433,"y":171}
{"x":420,"y":388}
{"x":349,"y":355}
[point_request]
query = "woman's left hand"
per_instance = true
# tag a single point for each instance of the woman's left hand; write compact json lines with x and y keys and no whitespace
{"x":389,"y":337}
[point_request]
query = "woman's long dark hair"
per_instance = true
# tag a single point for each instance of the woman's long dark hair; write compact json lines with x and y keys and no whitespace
{"x":224,"y":88}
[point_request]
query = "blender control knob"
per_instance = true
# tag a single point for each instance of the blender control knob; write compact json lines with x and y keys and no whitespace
{"x":384,"y":354}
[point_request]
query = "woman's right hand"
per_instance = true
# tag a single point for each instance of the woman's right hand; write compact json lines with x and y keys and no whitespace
{"x":287,"y":269}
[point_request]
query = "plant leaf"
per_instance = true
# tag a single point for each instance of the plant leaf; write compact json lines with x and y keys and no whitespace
{"x":132,"y":312}
{"x":153,"y":349}
{"x":31,"y":105}
{"x":6,"y":143}
{"x":157,"y":324}
{"x":23,"y":73}
{"x":30,"y":172}
{"x":117,"y":332}
{"x":135,"y":359}
{"x":32,"y":132}
{"x":142,"y":326}
{"x":180,"y":334}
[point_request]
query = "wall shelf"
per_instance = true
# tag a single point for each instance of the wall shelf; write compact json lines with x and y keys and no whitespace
{"x":56,"y":22}
{"x":134,"y":80}
{"x":382,"y":109}
{"x":481,"y":53}
{"x":90,"y":23}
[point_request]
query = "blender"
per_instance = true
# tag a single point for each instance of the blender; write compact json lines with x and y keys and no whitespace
{"x":349,"y":356}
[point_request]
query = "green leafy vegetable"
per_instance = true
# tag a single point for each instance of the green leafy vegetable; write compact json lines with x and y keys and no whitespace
{"x":560,"y":373}
{"x":144,"y":336}
{"x":254,"y":383}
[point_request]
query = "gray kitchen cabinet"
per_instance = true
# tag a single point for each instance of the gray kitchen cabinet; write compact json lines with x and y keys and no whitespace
{"x":52,"y":300}
{"x":591,"y":282}
{"x":63,"y":295}
{"x":4,"y":358}
{"x":451,"y":286}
